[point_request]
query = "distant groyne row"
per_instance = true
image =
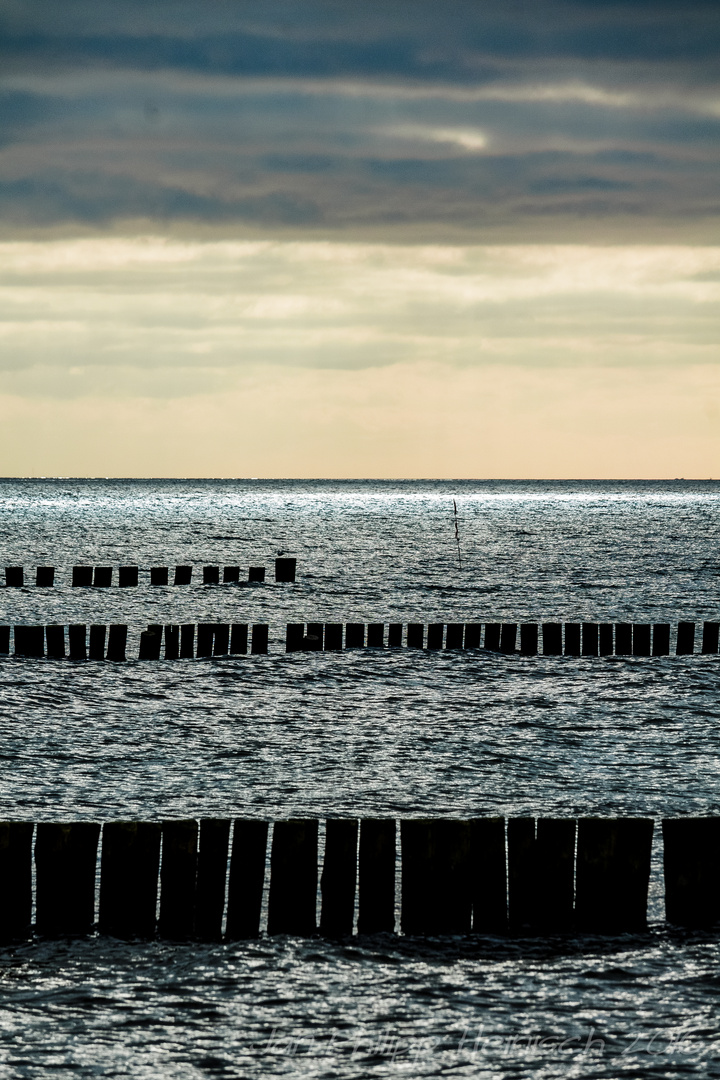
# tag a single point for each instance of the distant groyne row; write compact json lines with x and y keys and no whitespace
{"x":175,"y":641}
{"x":440,"y":876}
{"x":104,"y":577}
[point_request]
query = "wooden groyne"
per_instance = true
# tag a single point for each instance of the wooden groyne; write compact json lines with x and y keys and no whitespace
{"x":214,"y":878}
{"x":175,"y":641}
{"x":104,"y":577}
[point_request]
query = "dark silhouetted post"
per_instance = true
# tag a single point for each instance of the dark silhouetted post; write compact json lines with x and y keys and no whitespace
{"x":211,"y":873}
{"x":376,"y":635}
{"x":435,"y":877}
{"x":247,"y":877}
{"x":710,"y":637}
{"x":45,"y":577}
{"x":415,"y":635}
{"x":82,"y":576}
{"x":333,"y":636}
{"x":552,"y":638}
{"x":15,"y":879}
{"x":129,"y":878}
{"x":685,"y":639}
{"x":211,"y":575}
{"x":259,"y":640}
{"x":589,"y":639}
{"x":187,"y":641}
{"x":293,"y":878}
{"x":528,"y":639}
{"x":102,"y":577}
{"x":395,"y":635}
{"x":97,"y":642}
{"x":55,"y":641}
{"x":4,"y":640}
{"x":205,"y":638}
{"x":488,"y":883}
{"x":294,"y":637}
{"x":65,"y":859}
{"x":150,"y":643}
{"x":613,"y":870}
{"x":231,"y":575}
{"x":238,"y":639}
{"x":454,"y":636}
{"x":572,"y":639}
{"x":376,"y":891}
{"x":337,"y":883}
{"x":691,"y":858}
{"x":127,"y":577}
{"x":177,"y":879}
{"x":555,"y":874}
{"x":77,"y":639}
{"x":435,"y":636}
{"x":172,"y":641}
{"x":256,"y":573}
{"x":607,"y":639}
{"x":285,"y":569}
{"x":183,"y":575}
{"x":159,"y":575}
{"x":117,"y":642}
{"x":313,"y":641}
{"x":508,"y":637}
{"x":641,"y":639}
{"x":221,"y":645}
{"x":29,"y":640}
{"x":522,"y":875}
{"x":623,"y":639}
{"x":472,"y":635}
{"x":355,"y":635}
{"x":14,"y":577}
{"x":492,"y":636}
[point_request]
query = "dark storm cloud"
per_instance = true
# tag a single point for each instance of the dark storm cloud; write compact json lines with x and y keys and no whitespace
{"x":331,"y":114}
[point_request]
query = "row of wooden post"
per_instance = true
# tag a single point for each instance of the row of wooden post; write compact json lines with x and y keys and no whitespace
{"x":101,"y":577}
{"x":528,"y":639}
{"x":110,"y":642}
{"x":207,"y":879}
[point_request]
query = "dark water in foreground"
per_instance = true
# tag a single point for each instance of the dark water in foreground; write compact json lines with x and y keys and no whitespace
{"x":368,"y":733}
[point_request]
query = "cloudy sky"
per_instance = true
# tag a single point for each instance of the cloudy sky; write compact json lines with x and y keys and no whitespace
{"x":381,"y":239}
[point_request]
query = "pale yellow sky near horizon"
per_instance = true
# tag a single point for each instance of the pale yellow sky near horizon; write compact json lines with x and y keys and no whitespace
{"x":156,"y":356}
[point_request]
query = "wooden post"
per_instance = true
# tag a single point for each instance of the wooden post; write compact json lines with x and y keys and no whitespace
{"x":211,"y":873}
{"x":259,"y":640}
{"x":117,"y":642}
{"x":285,"y":569}
{"x":205,"y":638}
{"x":333,"y":636}
{"x":238,"y":639}
{"x":172,"y":641}
{"x":528,"y":639}
{"x":472,"y":635}
{"x":554,"y":875}
{"x":376,"y":887}
{"x":15,"y":879}
{"x":488,"y":882}
{"x":522,"y":874}
{"x":492,"y":637}
{"x":29,"y":640}
{"x":55,"y":641}
{"x":641,"y":639}
{"x":293,"y":878}
{"x":607,"y":639}
{"x":572,"y":639}
{"x":454,"y":634}
{"x":395,"y":635}
{"x":613,"y":870}
{"x":211,"y":575}
{"x":231,"y":575}
{"x":97,"y":642}
{"x":129,"y":878}
{"x":4,"y":640}
{"x":247,"y":877}
{"x":187,"y":641}
{"x":102,"y":577}
{"x":691,"y":858}
{"x":552,"y":638}
{"x":415,"y":635}
{"x":150,"y":643}
{"x":65,"y":859}
{"x":376,"y":635}
{"x":183,"y":575}
{"x":314,"y":637}
{"x":127,"y":577}
{"x":685,"y":639}
{"x":435,"y":636}
{"x":339,"y":876}
{"x":82,"y":576}
{"x":256,"y":573}
{"x":355,"y":636}
{"x":177,"y":879}
{"x":14,"y":577}
{"x":77,"y":639}
{"x":589,"y":639}
{"x":435,"y":877}
{"x":159,"y":575}
{"x":623,"y":639}
{"x":45,"y":577}
{"x":710,"y":637}
{"x":221,"y":645}
{"x":508,"y":636}
{"x":294,"y":637}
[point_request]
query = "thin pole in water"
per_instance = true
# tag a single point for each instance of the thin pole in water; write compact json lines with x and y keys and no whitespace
{"x":457,"y":534}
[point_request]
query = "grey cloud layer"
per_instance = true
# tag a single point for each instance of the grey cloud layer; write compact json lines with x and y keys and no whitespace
{"x":377,"y":115}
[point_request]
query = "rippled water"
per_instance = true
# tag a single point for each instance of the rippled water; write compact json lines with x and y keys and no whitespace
{"x":365,"y":732}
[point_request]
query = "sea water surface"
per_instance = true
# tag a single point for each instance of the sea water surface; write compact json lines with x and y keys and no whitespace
{"x":365,"y":732}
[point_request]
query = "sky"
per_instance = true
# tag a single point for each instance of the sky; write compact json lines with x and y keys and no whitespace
{"x":392,"y":239}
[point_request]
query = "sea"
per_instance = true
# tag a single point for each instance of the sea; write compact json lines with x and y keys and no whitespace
{"x":391,"y":733}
